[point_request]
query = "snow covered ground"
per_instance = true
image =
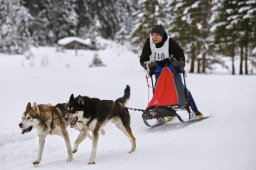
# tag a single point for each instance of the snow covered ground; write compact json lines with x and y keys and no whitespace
{"x":226,"y":141}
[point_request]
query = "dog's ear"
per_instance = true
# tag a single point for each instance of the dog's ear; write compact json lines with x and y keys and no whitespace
{"x":35,"y":107}
{"x":71,"y":97}
{"x":28,"y":106}
{"x":80,"y":100}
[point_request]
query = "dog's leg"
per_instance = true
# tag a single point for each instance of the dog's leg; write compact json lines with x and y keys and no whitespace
{"x":126,"y":130}
{"x":82,"y":135}
{"x":94,"y":145}
{"x":68,"y":145}
{"x":40,"y":149}
{"x":102,"y":131}
{"x":132,"y":138}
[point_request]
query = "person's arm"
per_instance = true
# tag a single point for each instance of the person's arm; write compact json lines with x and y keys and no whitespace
{"x":146,"y":52}
{"x":176,"y":50}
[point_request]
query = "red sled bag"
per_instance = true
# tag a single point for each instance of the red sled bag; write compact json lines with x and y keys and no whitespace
{"x":165,"y":92}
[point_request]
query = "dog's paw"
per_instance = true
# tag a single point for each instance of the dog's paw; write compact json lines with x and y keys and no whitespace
{"x":131,"y":151}
{"x":74,"y":150}
{"x":36,"y":162}
{"x":69,"y":160}
{"x":133,"y":147}
{"x":91,"y":162}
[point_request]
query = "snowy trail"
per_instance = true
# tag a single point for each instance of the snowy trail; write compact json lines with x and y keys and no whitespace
{"x":224,"y":141}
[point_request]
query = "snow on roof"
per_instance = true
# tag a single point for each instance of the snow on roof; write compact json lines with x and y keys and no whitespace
{"x":67,"y":40}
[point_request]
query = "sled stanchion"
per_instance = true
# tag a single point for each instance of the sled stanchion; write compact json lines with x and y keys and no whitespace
{"x":147,"y":77}
{"x":186,"y":94}
{"x":180,"y":119}
{"x":153,"y":87}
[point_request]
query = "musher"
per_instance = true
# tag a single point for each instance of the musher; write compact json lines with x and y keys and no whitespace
{"x":159,"y":51}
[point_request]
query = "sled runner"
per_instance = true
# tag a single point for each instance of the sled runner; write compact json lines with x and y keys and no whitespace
{"x":169,"y":96}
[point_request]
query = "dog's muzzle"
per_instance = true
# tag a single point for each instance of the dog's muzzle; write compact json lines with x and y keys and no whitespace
{"x":25,"y":130}
{"x":72,"y":121}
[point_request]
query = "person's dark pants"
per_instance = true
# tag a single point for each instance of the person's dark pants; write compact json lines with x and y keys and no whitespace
{"x":192,"y":103}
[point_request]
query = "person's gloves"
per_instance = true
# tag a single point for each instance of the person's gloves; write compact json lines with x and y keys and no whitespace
{"x":150,"y":66}
{"x":164,"y":62}
{"x":178,"y":64}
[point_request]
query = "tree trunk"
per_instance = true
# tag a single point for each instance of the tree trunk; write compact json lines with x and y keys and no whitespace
{"x":199,"y":65}
{"x":233,"y":60}
{"x":233,"y":65}
{"x":204,"y":63}
{"x":241,"y":59}
{"x":246,"y":59}
{"x":192,"y":65}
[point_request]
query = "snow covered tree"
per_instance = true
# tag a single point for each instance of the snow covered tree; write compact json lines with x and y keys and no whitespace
{"x":235,"y":28}
{"x":124,"y":10}
{"x":105,"y":17}
{"x":51,"y":20}
{"x":38,"y":28}
{"x":246,"y":29}
{"x":178,"y":28}
{"x":62,"y":19}
{"x":14,"y":34}
{"x":99,"y":17}
{"x":189,"y":24}
{"x":225,"y":38}
{"x":149,"y":13}
{"x":85,"y":19}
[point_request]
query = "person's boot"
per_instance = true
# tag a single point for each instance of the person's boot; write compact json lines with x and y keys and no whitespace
{"x":169,"y":118}
{"x":199,"y":115}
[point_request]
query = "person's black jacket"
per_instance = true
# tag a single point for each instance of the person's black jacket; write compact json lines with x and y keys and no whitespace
{"x":174,"y":51}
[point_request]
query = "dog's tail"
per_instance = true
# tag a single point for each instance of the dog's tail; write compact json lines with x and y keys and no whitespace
{"x":126,"y":96}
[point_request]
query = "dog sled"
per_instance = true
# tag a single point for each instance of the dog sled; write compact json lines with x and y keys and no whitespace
{"x":169,"y":96}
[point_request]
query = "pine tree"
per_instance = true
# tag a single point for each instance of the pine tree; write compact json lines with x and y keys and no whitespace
{"x":235,"y":29}
{"x":246,"y":26}
{"x":105,"y":17}
{"x":149,"y":13}
{"x":39,"y":26}
{"x":124,"y":10}
{"x":52,"y":20}
{"x":177,"y":25}
{"x":224,"y":36}
{"x":14,"y":34}
{"x":62,"y":19}
{"x":192,"y":21}
{"x":85,"y":17}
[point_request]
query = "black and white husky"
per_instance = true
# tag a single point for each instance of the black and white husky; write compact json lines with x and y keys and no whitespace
{"x":91,"y":114}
